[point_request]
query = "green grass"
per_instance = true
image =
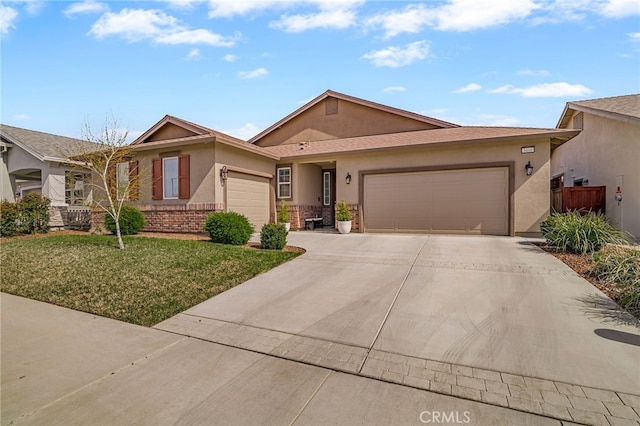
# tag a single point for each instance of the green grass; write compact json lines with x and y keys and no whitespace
{"x":151,"y":280}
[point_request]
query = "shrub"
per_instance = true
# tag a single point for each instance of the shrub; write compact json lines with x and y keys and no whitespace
{"x":283,"y":213}
{"x":620,"y":267}
{"x":33,"y":214}
{"x":576,"y":233}
{"x":343,"y":214}
{"x":273,"y":236}
{"x":131,"y":221}
{"x":228,"y":228}
{"x":8,"y":218}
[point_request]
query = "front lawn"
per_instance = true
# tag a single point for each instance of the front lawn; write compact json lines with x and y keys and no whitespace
{"x":151,"y":280}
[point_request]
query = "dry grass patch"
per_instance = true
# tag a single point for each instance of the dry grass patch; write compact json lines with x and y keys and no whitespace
{"x":151,"y":280}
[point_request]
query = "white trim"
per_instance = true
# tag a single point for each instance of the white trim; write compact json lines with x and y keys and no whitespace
{"x":164,"y":175}
{"x":290,"y":183}
{"x":326,"y":187}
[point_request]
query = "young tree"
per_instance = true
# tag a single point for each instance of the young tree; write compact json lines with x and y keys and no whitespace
{"x":114,"y":176}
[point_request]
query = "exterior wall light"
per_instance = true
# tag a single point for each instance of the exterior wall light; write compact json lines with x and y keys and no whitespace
{"x":528,"y":168}
{"x":347,"y":178}
{"x":224,"y":173}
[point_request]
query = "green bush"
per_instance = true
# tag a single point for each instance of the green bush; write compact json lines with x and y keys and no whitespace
{"x":620,"y":267}
{"x":8,"y":218}
{"x":131,"y":221}
{"x":343,"y":214}
{"x":228,"y":228}
{"x":33,"y":214}
{"x":283,"y":213}
{"x":273,"y":236}
{"x":578,"y":233}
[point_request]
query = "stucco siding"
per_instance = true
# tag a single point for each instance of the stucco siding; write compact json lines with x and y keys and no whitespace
{"x":607,"y":153}
{"x":350,"y":120}
{"x":531,"y":193}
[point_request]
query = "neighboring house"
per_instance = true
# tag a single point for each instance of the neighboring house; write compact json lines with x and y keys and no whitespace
{"x":605,"y":153}
{"x":38,"y":162}
{"x":398,"y":171}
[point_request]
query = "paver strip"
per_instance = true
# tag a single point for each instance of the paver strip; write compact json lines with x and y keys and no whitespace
{"x":563,"y":401}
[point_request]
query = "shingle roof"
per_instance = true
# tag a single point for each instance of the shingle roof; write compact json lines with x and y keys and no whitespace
{"x":45,"y":146}
{"x":467,"y":134}
{"x":625,"y":107}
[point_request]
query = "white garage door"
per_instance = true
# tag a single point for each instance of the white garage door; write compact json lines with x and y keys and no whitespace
{"x":249,"y":195}
{"x":468,"y":201}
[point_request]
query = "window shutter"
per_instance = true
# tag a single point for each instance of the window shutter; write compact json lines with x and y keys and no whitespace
{"x":184,"y":184}
{"x":134,"y":193}
{"x":156,"y":179}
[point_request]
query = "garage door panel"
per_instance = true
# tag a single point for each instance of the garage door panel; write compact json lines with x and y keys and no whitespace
{"x":249,"y":195}
{"x":470,"y":201}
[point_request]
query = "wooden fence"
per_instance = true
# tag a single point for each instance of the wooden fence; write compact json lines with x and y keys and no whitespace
{"x":583,"y":198}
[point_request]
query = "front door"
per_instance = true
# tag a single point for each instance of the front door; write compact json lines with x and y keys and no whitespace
{"x":328,"y":197}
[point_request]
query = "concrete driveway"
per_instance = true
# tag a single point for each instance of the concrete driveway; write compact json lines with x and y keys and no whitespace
{"x":370,"y":329}
{"x":383,"y":306}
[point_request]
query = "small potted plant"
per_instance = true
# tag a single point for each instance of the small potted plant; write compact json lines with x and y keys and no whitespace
{"x":283,"y":216}
{"x":343,"y":216}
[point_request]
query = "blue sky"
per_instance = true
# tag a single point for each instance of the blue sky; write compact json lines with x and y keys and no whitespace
{"x":239,"y":66}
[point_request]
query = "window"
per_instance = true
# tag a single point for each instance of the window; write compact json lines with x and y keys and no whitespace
{"x":122,"y":180}
{"x":284,"y":182}
{"x":326,"y":188}
{"x":170,"y":178}
{"x":76,"y":190}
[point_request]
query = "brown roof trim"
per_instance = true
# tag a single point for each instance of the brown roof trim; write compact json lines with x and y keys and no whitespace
{"x":203,"y":139}
{"x":359,"y":101}
{"x":372,"y":143}
{"x":589,"y":107}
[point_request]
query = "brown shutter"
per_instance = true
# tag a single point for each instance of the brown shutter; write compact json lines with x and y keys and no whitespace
{"x":156,"y":179}
{"x":134,"y":193}
{"x":184,"y":184}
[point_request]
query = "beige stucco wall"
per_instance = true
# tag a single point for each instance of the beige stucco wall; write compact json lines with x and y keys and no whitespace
{"x":7,"y":184}
{"x":351,"y":120}
{"x":202,"y":176}
{"x":531,"y":193}
{"x":238,"y":160}
{"x":170,"y":131}
{"x":606,"y":152}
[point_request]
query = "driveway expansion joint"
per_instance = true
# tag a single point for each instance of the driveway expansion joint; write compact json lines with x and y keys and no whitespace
{"x":554,"y":399}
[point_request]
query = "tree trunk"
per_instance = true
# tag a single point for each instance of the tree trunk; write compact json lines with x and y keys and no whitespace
{"x":118,"y":234}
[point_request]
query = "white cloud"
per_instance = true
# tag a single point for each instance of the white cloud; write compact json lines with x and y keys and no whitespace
{"x":139,"y":24}
{"x":134,"y":24}
{"x":534,"y":73}
{"x":545,"y":90}
{"x":394,"y":89}
{"x":182,"y":4}
{"x":245,"y":132}
{"x":395,"y":57}
{"x":455,"y":15}
{"x":195,"y":37}
{"x":193,"y":54}
{"x":89,"y":6}
{"x":228,"y":8}
{"x":471,"y":87}
{"x":621,"y":8}
{"x":634,"y":37}
{"x":230,"y":58}
{"x":248,"y":75}
{"x":339,"y":19}
{"x":7,"y":16}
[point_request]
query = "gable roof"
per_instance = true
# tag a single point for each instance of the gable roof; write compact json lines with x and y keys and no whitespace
{"x":353,"y":99}
{"x":623,"y":108}
{"x":450,"y":136}
{"x":202,"y":134}
{"x":45,"y":146}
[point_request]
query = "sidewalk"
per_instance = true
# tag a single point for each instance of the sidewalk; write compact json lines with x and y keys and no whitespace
{"x":65,"y":367}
